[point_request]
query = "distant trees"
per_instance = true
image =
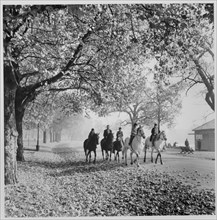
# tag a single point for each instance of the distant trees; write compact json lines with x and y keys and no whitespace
{"x":146,"y":97}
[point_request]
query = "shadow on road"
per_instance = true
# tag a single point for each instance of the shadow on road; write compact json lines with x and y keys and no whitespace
{"x":83,"y":167}
{"x":68,"y":168}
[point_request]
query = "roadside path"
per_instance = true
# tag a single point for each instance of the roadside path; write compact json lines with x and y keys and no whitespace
{"x":197,"y":169}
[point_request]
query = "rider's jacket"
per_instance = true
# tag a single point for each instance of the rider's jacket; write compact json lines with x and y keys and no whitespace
{"x":119,"y":134}
{"x":106,"y":132}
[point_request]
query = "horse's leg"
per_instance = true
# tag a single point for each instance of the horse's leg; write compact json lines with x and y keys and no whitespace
{"x":89,"y":156}
{"x":118,"y":156}
{"x":102,"y":154}
{"x":137,"y":159}
{"x":94,"y":161}
{"x":145,"y":155}
{"x":161,"y":159}
{"x":115,"y":155}
{"x":106,"y":154}
{"x":152,"y":150}
{"x":157,"y":157}
{"x":86,"y":156}
{"x":125,"y":155}
{"x":110,"y":156}
{"x":131,"y":157}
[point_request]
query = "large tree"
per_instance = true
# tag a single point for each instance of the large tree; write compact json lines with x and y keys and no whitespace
{"x":66,"y":47}
{"x":56,"y":46}
{"x":129,"y":95}
{"x":181,"y":38}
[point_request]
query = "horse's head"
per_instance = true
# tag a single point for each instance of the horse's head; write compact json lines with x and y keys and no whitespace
{"x":163,"y":136}
{"x":141,"y":132}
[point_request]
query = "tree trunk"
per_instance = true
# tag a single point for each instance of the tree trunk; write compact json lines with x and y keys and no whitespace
{"x":19,"y":123}
{"x":45,"y":137}
{"x":58,"y":136}
{"x":51,"y":136}
{"x":54,"y":136}
{"x":19,"y":113}
{"x":210,"y":99}
{"x":210,"y":96}
{"x":158,"y":118}
{"x":10,"y":133}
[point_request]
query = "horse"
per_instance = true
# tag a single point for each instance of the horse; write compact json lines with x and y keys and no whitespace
{"x":107,"y":145}
{"x":135,"y":147}
{"x":90,"y":145}
{"x":158,"y":145}
{"x":118,"y":146}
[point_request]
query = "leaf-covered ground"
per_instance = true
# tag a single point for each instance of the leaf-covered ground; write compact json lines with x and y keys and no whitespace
{"x":63,"y":185}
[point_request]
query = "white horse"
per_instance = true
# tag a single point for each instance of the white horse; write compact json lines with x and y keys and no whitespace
{"x":158,"y":146}
{"x":136,"y":146}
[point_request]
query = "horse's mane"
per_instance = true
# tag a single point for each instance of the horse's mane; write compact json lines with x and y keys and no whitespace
{"x":138,"y":129}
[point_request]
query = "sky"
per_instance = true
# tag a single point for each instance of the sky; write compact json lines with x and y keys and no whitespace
{"x":195,"y":112}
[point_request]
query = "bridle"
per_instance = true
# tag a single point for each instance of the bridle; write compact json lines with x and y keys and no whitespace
{"x":140,"y":133}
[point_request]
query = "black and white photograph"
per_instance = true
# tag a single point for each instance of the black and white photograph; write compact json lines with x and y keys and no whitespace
{"x":108,"y":109}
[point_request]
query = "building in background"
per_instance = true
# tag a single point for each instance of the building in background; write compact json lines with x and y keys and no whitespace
{"x":204,"y":136}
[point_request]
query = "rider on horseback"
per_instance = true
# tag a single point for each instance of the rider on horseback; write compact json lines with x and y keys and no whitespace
{"x":133,"y":133}
{"x":120,"y":135}
{"x":106,"y":132}
{"x":91,"y":133}
{"x":154,"y":132}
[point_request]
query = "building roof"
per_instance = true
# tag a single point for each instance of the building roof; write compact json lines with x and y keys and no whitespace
{"x":206,"y":126}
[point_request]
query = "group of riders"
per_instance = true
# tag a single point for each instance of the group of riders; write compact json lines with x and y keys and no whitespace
{"x":135,"y":128}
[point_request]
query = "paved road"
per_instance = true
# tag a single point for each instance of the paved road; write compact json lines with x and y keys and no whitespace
{"x":196,"y":169}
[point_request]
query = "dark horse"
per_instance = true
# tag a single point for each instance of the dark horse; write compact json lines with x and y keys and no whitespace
{"x":90,"y":145}
{"x":117,"y":147}
{"x":107,"y":145}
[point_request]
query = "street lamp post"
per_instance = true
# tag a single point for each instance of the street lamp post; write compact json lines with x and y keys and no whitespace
{"x":37,"y":145}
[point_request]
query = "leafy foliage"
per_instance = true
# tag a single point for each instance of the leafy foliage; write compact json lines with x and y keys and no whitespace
{"x":182,"y":38}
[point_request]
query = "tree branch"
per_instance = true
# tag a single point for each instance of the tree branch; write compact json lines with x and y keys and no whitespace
{"x":190,"y":87}
{"x":30,"y":74}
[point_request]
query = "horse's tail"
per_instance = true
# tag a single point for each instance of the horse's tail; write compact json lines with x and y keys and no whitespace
{"x":85,"y":143}
{"x":85,"y":146}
